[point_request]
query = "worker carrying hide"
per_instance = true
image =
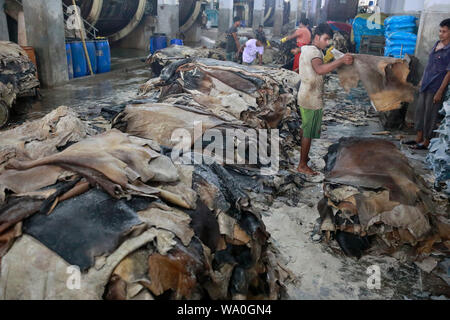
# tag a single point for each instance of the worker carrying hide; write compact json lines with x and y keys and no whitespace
{"x":310,"y":96}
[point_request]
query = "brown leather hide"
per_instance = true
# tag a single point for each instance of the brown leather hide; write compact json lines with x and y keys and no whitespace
{"x":384,"y":79}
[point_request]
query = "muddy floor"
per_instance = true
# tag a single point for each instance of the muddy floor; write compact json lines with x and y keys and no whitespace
{"x":322,"y":271}
{"x":319,"y":270}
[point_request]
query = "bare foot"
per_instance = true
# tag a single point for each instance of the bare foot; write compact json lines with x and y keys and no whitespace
{"x":307,"y":170}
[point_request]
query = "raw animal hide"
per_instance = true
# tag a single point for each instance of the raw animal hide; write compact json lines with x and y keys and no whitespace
{"x":17,"y":73}
{"x":384,"y":79}
{"x":117,"y":162}
{"x":42,"y":137}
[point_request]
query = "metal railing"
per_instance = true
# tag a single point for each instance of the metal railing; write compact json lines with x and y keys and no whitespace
{"x":90,"y":30}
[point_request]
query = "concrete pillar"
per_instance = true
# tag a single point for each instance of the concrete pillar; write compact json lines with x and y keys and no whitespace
{"x":45,"y":32}
{"x":225,"y":15}
{"x":300,"y":8}
{"x":293,"y":14}
{"x":193,"y":35}
{"x":278,"y":19}
{"x":4,"y":35}
{"x":309,"y":10}
{"x":22,"y":31}
{"x":258,"y":13}
{"x":140,"y":37}
{"x":168,"y":18}
{"x":317,"y":12}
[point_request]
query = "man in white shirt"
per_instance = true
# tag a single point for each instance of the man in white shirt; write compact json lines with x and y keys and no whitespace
{"x":253,"y":48}
{"x":310,"y":95}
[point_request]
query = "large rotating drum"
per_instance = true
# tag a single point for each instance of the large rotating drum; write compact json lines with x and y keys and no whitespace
{"x":189,"y":12}
{"x":114,"y":19}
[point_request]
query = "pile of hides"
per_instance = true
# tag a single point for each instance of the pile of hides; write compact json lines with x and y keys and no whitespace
{"x":164,"y":57}
{"x":341,"y":41}
{"x":221,"y":94}
{"x":346,"y":108}
{"x":283,"y":51}
{"x":439,"y":151}
{"x":17,"y":73}
{"x":372,"y":195}
{"x":115,"y":208}
{"x":42,"y":137}
{"x":385,"y":80}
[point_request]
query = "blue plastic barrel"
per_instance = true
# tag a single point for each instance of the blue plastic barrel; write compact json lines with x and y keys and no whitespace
{"x":158,"y":42}
{"x":92,"y":51}
{"x":103,"y":56}
{"x":69,"y":60}
{"x":177,"y":42}
{"x":80,"y":68}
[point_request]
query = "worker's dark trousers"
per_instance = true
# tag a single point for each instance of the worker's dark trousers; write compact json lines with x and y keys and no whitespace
{"x":427,"y":114}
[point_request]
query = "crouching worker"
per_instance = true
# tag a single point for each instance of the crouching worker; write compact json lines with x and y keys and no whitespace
{"x":310,"y":95}
{"x":254,"y":48}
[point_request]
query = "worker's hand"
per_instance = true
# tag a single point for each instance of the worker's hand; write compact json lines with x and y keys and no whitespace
{"x":284,"y":40}
{"x":268,"y":43}
{"x":296,"y":51}
{"x":347,"y":59}
{"x":438,"y":97}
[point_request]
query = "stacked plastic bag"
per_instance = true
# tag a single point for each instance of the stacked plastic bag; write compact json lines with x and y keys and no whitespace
{"x":401,"y":38}
{"x":439,"y":154}
{"x":363,"y":25}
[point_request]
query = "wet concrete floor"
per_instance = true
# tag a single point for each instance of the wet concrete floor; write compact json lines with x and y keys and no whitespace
{"x":88,"y":95}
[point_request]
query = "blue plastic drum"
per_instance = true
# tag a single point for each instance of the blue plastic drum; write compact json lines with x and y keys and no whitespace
{"x":92,"y":51}
{"x":69,"y":60}
{"x":103,"y":56}
{"x":158,"y":42}
{"x":177,"y":42}
{"x":80,"y":68}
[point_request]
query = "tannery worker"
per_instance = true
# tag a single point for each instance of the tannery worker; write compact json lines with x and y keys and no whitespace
{"x":310,"y":95}
{"x":259,"y":33}
{"x":254,"y":48}
{"x":233,"y":45}
{"x":303,"y":37}
{"x":433,"y":86}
